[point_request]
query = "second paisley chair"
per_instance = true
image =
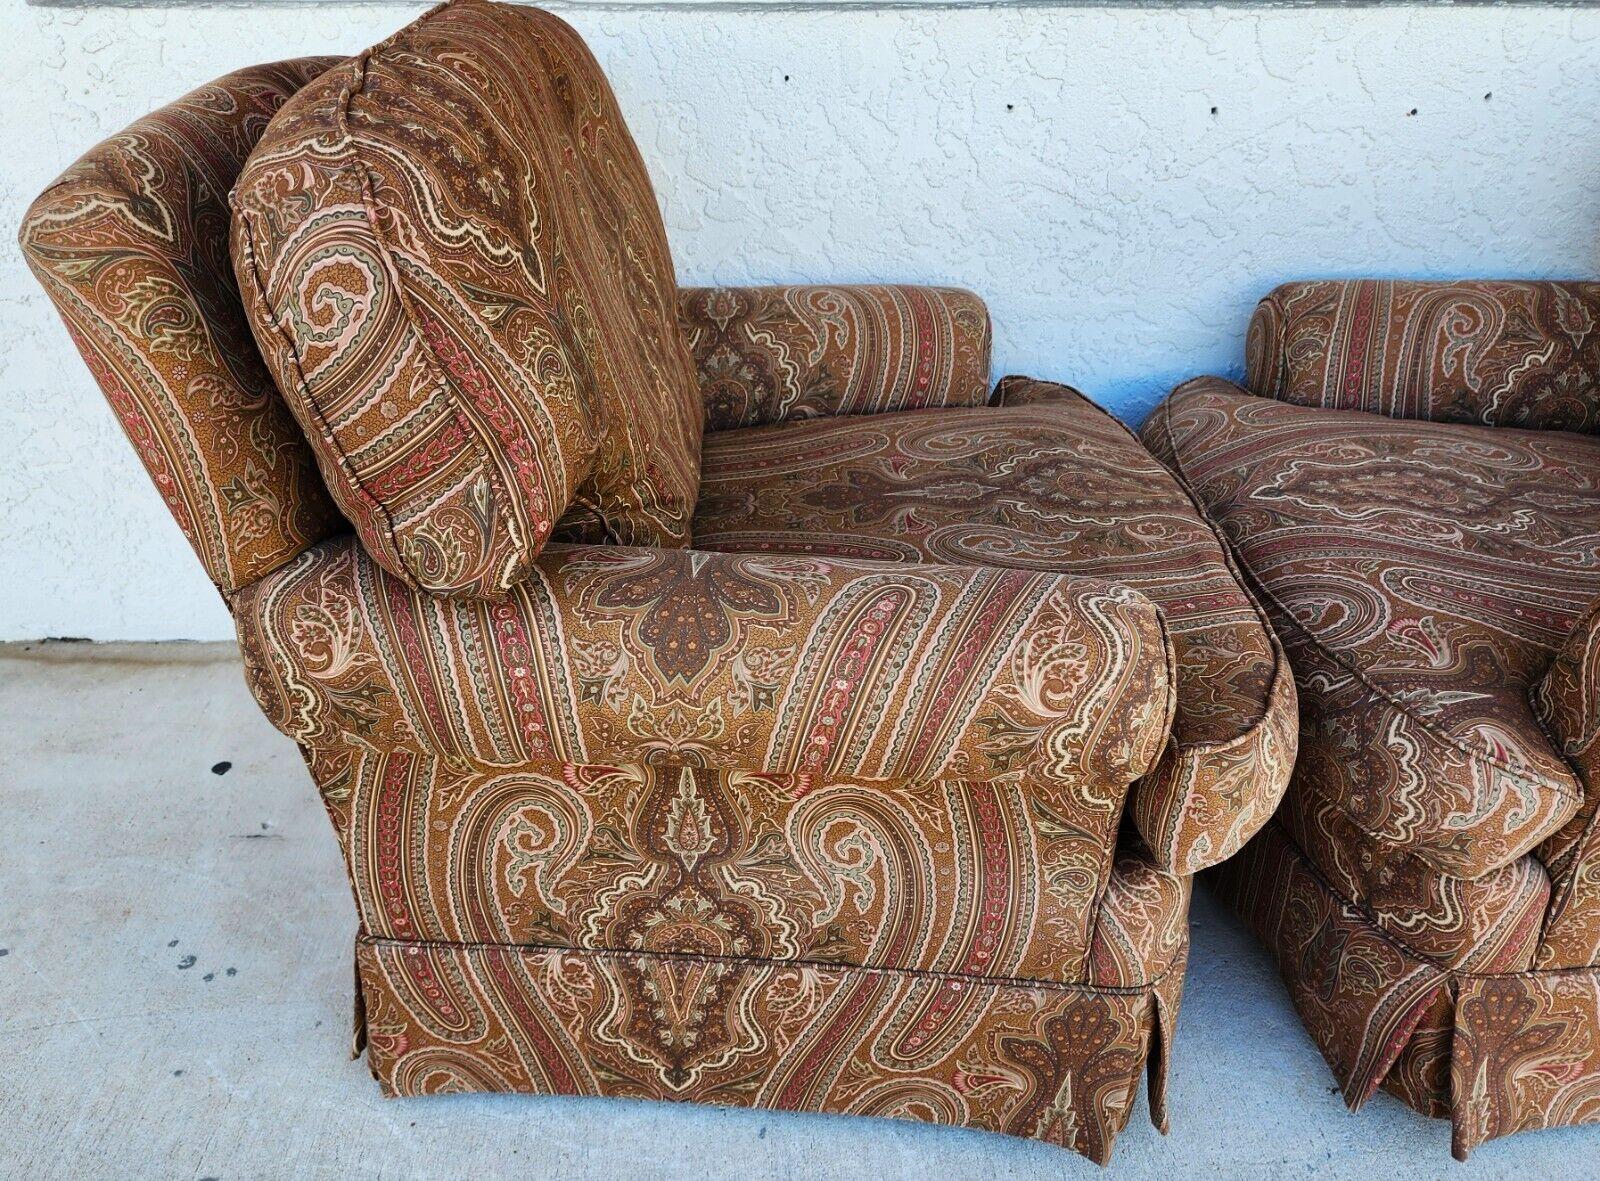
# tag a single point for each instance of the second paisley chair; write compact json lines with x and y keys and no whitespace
{"x":1412,"y":485}
{"x":716,"y":697}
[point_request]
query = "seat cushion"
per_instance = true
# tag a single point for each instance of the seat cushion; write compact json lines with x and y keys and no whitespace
{"x":453,"y":261}
{"x":1421,"y":575}
{"x":1045,"y":481}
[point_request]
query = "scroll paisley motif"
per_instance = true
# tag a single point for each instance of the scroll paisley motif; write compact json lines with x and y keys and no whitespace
{"x":691,"y":625}
{"x":773,"y":829}
{"x":454,"y":264}
{"x":775,"y":354}
{"x":1428,"y":886}
{"x":901,"y":950}
{"x":1422,"y":576}
{"x":954,"y":877}
{"x":1060,"y":1065}
{"x":1496,"y":1051}
{"x":1526,"y":1054}
{"x":1490,"y":352}
{"x":1046,"y":481}
{"x":1568,"y":702}
{"x":337,"y":647}
{"x":130,"y":245}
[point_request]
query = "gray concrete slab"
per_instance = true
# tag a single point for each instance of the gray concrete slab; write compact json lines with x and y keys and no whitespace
{"x":175,"y":992}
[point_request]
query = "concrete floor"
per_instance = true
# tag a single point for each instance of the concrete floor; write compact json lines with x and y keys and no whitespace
{"x":175,"y":995}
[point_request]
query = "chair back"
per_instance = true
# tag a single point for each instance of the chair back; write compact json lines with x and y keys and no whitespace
{"x":131,"y":243}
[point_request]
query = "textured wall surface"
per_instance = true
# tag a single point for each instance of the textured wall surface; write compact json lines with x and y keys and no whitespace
{"x":1121,"y":184}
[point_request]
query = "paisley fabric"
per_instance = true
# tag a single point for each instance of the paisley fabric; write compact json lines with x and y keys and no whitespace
{"x":1490,"y":352}
{"x":1141,"y":933}
{"x":131,"y":245}
{"x":771,"y":830}
{"x":1059,"y":1064}
{"x":1045,"y":481}
{"x":453,"y":261}
{"x":966,"y":878}
{"x":1526,"y":1054}
{"x":1422,"y":576}
{"x":793,"y":830}
{"x":1495,"y":1052}
{"x":772,"y":354}
{"x":1485,"y":924}
{"x":776,"y":664}
{"x":1429,"y":887}
{"x":1361,"y":994}
{"x":1568,"y":701}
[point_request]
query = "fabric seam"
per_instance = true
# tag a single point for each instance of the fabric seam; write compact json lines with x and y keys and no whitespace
{"x":357,"y":166}
{"x":370,"y":940}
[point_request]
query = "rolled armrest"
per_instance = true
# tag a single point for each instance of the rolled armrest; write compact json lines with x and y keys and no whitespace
{"x":1492,"y":352}
{"x":764,"y":663}
{"x":769,"y":354}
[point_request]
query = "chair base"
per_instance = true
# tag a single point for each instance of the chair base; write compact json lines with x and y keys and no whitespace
{"x":1051,"y":1062}
{"x":1494,"y":1053}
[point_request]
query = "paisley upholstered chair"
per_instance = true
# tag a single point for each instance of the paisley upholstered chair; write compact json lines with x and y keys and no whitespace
{"x":1412,"y":485}
{"x":718,"y":695}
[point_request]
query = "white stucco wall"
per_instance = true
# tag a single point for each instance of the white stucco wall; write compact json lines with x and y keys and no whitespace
{"x":1065,"y":162}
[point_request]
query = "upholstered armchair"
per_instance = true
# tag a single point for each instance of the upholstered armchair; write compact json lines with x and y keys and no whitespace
{"x":718,"y":695}
{"x":1411,"y":484}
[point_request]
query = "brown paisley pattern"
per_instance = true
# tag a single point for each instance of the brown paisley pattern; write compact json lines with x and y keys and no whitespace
{"x":1495,"y":1052}
{"x":456,"y":269}
{"x":969,"y":878}
{"x":1059,"y":1064}
{"x":773,"y":354}
{"x":829,"y":667}
{"x":1568,"y":701}
{"x":1526,"y":1054}
{"x":796,"y":830}
{"x":1495,"y":353}
{"x":1485,"y":924}
{"x":1142,"y":932}
{"x":1429,"y":886}
{"x":131,"y":245}
{"x":1421,"y":576}
{"x":772,"y":830}
{"x":1361,"y":994}
{"x":1045,"y":481}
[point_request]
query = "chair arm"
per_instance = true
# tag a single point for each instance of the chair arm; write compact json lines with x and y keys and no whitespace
{"x":769,"y":354}
{"x":1492,"y":352}
{"x":1568,"y":702}
{"x":764,"y":663}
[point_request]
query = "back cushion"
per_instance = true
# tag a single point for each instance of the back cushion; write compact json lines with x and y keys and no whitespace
{"x":131,"y":243}
{"x":1493,"y":352}
{"x":455,"y":267}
